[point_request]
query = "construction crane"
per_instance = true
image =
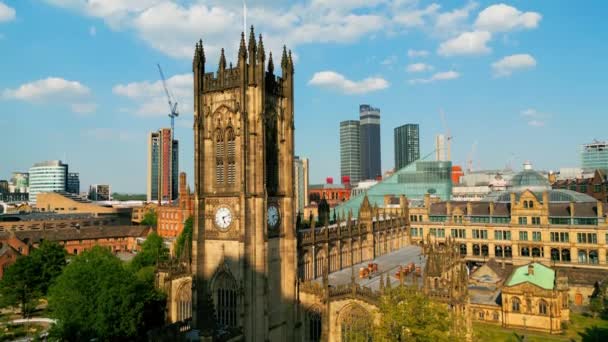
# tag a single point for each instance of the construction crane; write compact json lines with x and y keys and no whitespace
{"x":173,"y":113}
{"x":448,"y":136}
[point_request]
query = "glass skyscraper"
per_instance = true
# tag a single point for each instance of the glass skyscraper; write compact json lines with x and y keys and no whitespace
{"x":163,"y":166}
{"x":301,"y":183}
{"x":48,"y":176}
{"x":73,"y":183}
{"x":369,"y":125}
{"x":407,"y":145}
{"x":350,"y":150}
{"x":595,"y":156}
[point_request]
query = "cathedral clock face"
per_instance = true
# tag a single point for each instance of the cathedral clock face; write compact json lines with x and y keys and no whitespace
{"x":223,"y":218}
{"x":273,"y":216}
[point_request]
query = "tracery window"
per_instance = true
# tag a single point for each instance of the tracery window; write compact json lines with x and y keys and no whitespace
{"x":219,"y":156}
{"x":356,"y":325}
{"x":184,"y":302}
{"x":225,"y":156}
{"x":313,"y":324}
{"x":230,"y":155}
{"x":226,"y":300}
{"x":542,"y":307}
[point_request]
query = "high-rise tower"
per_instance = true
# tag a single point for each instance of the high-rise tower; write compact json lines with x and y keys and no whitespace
{"x":369,"y":118}
{"x":244,"y":243}
{"x":407,"y":145}
{"x":350,"y":150}
{"x":163,"y":166}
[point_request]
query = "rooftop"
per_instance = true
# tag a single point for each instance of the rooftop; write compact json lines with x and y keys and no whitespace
{"x":542,"y":276}
{"x":388,"y":263}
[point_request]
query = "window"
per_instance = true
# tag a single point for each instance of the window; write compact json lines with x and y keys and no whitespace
{"x":560,"y":236}
{"x":525,"y":251}
{"x":463,"y":249}
{"x":515,"y":304}
{"x":219,"y":156}
{"x":583,"y":188}
{"x":414,"y":232}
{"x":536,"y":236}
{"x":530,"y":204}
{"x":501,"y":219}
{"x":585,"y":220}
{"x":433,"y":231}
{"x":226,"y":298}
{"x":502,"y":235}
{"x":480,"y":219}
{"x":313,"y":316}
{"x":437,"y":218}
{"x":597,"y":188}
{"x":586,"y":237}
{"x":480,"y":234}
{"x":476,"y":250}
{"x":542,"y":307}
{"x":559,"y":220}
{"x":441,"y":232}
{"x":523,"y":236}
{"x":459,"y":233}
{"x":536,"y":220}
{"x":523,"y":220}
{"x":526,"y":204}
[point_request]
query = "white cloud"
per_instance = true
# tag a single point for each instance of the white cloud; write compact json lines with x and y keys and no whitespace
{"x":53,"y":90}
{"x":419,"y":67}
{"x":454,"y":21}
{"x":6,"y":13}
{"x":50,"y":88}
{"x":417,"y":53}
{"x":440,"y":76}
{"x":150,"y":98}
{"x":509,"y":64}
{"x":390,"y":60}
{"x":92,"y":31}
{"x":467,"y":43}
{"x":416,"y":18}
{"x":334,"y":80}
{"x":503,"y":18}
{"x":534,"y":118}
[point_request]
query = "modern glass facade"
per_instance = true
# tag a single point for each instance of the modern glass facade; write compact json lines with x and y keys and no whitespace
{"x":301,"y":183}
{"x":21,"y":181}
{"x":413,"y":181}
{"x":350,"y":150}
{"x":73,"y":183}
{"x":595,"y":156}
{"x":407,"y":145}
{"x":163,"y":166}
{"x":369,"y":127}
{"x":47,"y":176}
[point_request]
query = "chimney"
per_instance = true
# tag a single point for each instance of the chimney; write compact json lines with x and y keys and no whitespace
{"x":427,"y":200}
{"x":546,"y":199}
{"x":531,"y":269}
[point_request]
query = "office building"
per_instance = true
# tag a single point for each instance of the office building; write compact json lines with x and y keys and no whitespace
{"x":407,"y":145}
{"x":173,"y":216}
{"x":301,"y":183}
{"x":163,"y":166}
{"x":73,"y":183}
{"x":47,"y":176}
{"x":350,"y":150}
{"x":4,"y":186}
{"x":20,"y":182}
{"x":594,"y":156}
{"x":441,"y":148}
{"x":369,"y":125}
{"x":100,"y":192}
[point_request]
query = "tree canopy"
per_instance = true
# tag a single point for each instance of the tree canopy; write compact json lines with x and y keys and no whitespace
{"x":29,"y":278}
{"x":185,"y":238}
{"x":96,"y":296}
{"x":152,"y":252}
{"x":408,"y":315}
{"x":150,"y":218}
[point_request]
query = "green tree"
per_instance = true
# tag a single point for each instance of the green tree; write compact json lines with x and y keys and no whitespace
{"x":185,"y":238}
{"x":150,"y":218}
{"x":152,"y":252}
{"x":96,"y":297}
{"x":29,"y":278}
{"x":406,"y":314}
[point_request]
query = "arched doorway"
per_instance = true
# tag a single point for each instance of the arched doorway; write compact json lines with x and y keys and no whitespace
{"x":355,"y":324}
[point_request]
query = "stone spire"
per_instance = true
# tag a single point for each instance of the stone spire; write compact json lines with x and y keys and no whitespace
{"x":284,"y":59}
{"x":261,"y":53}
{"x":252,"y":47}
{"x":222,"y":65}
{"x":270,"y":64}
{"x":242,"y":48}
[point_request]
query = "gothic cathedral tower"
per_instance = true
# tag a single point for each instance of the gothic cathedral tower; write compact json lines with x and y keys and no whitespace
{"x":244,"y":243}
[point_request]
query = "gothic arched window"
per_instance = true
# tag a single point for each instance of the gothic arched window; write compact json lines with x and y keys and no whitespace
{"x":225,"y":300}
{"x":184,"y":302}
{"x":231,"y":155}
{"x":272,"y":154}
{"x":355,"y":324}
{"x":219,"y":156}
{"x":313,"y":324}
{"x":542,"y":307}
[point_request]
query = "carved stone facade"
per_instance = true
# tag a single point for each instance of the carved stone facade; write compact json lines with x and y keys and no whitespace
{"x":244,"y":239}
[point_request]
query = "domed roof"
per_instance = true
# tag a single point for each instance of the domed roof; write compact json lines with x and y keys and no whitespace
{"x":529,"y":179}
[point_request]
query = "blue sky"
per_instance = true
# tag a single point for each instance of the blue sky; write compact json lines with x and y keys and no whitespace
{"x":523,"y":80}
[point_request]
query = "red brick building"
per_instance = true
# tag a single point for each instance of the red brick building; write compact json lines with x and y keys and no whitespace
{"x":596,"y":186}
{"x":333,"y":193}
{"x":171,"y":217}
